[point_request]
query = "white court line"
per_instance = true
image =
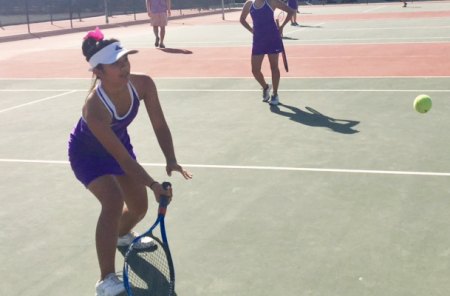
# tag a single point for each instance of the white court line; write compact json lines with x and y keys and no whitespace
{"x":373,"y":9}
{"x":229,"y":77}
{"x":370,"y":41}
{"x":288,"y":32}
{"x":389,"y":28}
{"x":289,"y":77}
{"x":333,"y":42}
{"x":365,"y":56}
{"x":37,"y":101}
{"x":42,"y":89}
{"x":307,"y":90}
{"x":247,"y":90}
{"x":40,"y":78}
{"x":266,"y":168}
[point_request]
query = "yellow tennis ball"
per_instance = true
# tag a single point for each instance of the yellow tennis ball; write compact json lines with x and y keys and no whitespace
{"x":422,"y":104}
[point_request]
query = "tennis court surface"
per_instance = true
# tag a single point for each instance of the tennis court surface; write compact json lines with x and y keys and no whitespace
{"x":342,"y":190}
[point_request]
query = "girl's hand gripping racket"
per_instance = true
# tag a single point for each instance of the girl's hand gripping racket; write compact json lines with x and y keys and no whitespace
{"x":149,"y":270}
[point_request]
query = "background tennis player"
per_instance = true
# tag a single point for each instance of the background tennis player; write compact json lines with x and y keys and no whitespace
{"x":266,"y":41}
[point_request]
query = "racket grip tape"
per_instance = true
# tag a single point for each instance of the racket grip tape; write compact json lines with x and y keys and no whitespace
{"x":164,"y":200}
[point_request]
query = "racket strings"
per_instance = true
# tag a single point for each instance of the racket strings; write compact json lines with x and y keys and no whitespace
{"x":148,"y":272}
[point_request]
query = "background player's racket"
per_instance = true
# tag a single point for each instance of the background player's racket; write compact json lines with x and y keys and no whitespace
{"x":150,"y":271}
{"x":281,"y":16}
{"x":283,"y":53}
{"x":314,"y":111}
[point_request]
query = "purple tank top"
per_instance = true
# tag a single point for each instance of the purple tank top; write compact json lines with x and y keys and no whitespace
{"x":293,"y":4}
{"x":158,"y":6}
{"x":266,"y":36}
{"x":82,"y":133}
{"x":263,"y":19}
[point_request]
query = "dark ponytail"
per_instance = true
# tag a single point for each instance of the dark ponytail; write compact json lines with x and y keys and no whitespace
{"x":91,"y":46}
{"x":92,"y":43}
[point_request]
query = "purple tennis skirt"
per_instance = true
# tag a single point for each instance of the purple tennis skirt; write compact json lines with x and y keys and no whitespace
{"x":89,"y":164}
{"x":267,"y":45}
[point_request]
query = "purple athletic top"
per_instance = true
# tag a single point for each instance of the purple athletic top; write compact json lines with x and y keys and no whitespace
{"x":158,"y":6}
{"x":87,"y":156}
{"x":293,"y":4}
{"x":266,"y":36}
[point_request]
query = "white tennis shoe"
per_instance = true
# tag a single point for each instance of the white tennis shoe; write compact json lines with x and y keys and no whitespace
{"x":266,"y":93}
{"x":274,"y":100}
{"x":111,"y":285}
{"x":127,"y":239}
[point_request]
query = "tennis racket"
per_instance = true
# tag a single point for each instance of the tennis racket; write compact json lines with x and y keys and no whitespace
{"x":280,"y":19}
{"x":283,"y":53}
{"x":150,"y":271}
{"x":281,"y":16}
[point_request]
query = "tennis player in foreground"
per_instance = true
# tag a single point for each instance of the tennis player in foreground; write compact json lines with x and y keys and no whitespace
{"x":102,"y":157}
{"x":266,"y":40}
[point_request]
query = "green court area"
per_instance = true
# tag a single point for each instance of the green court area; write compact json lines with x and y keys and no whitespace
{"x":341,"y":190}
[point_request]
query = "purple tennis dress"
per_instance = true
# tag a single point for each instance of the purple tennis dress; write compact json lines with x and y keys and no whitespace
{"x":159,"y":6}
{"x":293,"y":4}
{"x":266,"y":37}
{"x":87,"y":156}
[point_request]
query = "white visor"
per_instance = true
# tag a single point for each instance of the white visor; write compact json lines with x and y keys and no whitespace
{"x":109,"y":55}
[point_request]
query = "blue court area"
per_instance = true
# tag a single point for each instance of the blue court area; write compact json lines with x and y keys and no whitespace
{"x":342,"y":190}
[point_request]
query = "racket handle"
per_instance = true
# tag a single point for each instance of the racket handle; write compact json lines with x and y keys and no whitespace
{"x":164,"y":200}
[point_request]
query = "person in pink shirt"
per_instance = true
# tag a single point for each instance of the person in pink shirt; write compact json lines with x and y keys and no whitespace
{"x":159,"y":12}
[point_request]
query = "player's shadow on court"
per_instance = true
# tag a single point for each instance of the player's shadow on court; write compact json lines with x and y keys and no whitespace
{"x":307,"y":26}
{"x":312,"y":117}
{"x":289,"y":38}
{"x":175,"y":50}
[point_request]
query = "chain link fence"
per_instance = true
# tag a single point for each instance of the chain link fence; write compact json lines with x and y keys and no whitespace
{"x":33,"y":11}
